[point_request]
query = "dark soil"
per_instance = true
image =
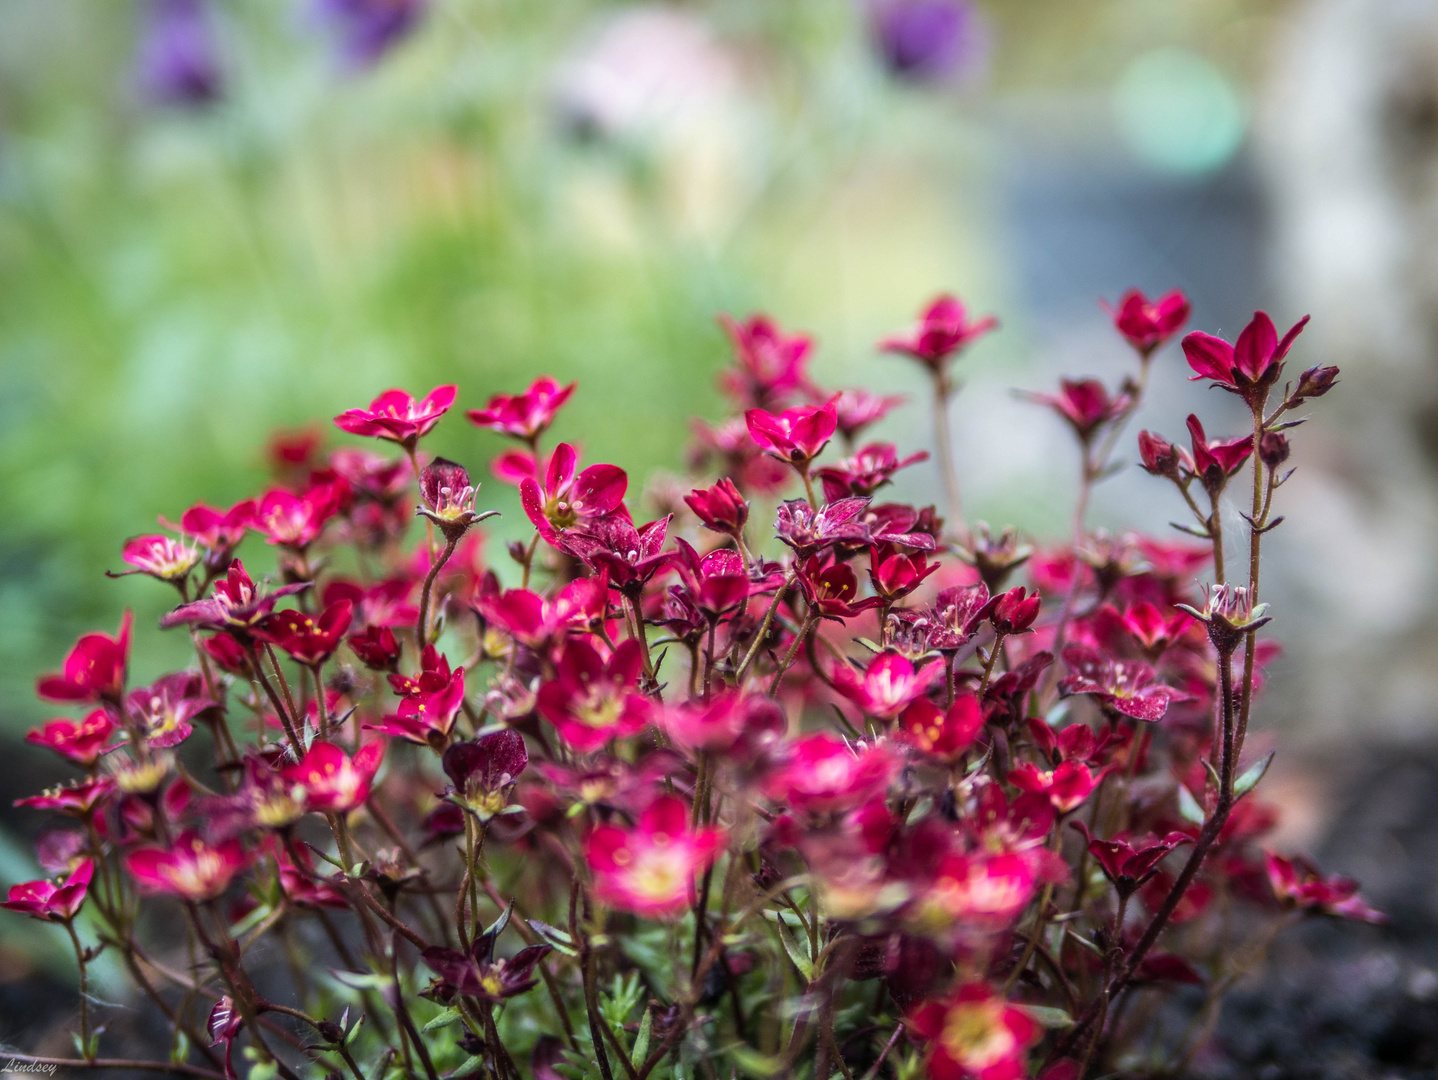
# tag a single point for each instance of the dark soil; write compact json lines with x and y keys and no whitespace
{"x":1342,"y":1001}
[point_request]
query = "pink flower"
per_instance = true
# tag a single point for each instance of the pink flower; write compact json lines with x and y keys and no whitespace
{"x":295,"y":521}
{"x":189,"y":868}
{"x":975,"y":1035}
{"x":857,"y":409}
{"x":397,"y":417}
{"x":830,"y":588}
{"x":1085,"y":404}
{"x":1129,"y":861}
{"x":1066,"y":786}
{"x":376,"y":647}
{"x":309,"y":639}
{"x":75,"y":800}
{"x":166,"y":710}
{"x":945,"y":735}
{"x":50,"y":902}
{"x":1013,"y":612}
{"x":611,"y":545}
{"x":534,"y":621}
{"x":568,"y":501}
{"x":941,"y":332}
{"x":1254,"y":361}
{"x":484,"y":771}
{"x":796,"y":435}
{"x":866,"y":471}
{"x":978,"y":893}
{"x":650,"y":869}
{"x":79,"y":740}
{"x":1146,"y":323}
{"x":721,"y":507}
{"x":237,"y":603}
{"x":770,"y":363}
{"x":1298,"y":883}
{"x":888,"y":685}
{"x":895,"y":574}
{"x":159,"y":556}
{"x":93,"y":671}
{"x":1125,"y":686}
{"x":593,"y":700}
{"x":820,"y":774}
{"x":332,"y":781}
{"x":219,"y":531}
{"x":1214,"y":462}
{"x":732,"y":723}
{"x":809,"y":531}
{"x":427,"y":717}
{"x":524,"y":416}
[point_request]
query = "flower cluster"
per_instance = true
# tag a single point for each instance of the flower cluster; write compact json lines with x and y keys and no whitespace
{"x":876,"y":791}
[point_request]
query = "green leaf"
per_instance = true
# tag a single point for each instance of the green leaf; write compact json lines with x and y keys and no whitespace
{"x":446,"y":1016}
{"x":250,"y":921}
{"x":641,"y":1041}
{"x":1188,"y":806}
{"x":1249,"y":780}
{"x":752,"y":1063}
{"x":1049,"y":1017}
{"x":801,"y":957}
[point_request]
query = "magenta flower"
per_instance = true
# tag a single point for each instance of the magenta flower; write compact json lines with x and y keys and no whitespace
{"x":295,"y":521}
{"x":1125,"y":686}
{"x":331,"y":780}
{"x":864,"y":472}
{"x":894,"y":574}
{"x":166,"y":711}
{"x":79,"y":740}
{"x":376,"y":647}
{"x":731,"y":724}
{"x":74,"y":800}
{"x":188,"y":868}
{"x":612,"y":545}
{"x":955,"y":617}
{"x":1066,"y":786}
{"x":1076,"y":742}
{"x":858,"y":409}
{"x":887,"y":686}
{"x":1129,"y":861}
{"x":716,"y":583}
{"x":477,"y":974}
{"x":1252,"y":363}
{"x":218,"y":531}
{"x":396,"y":417}
{"x":535,"y":621}
{"x":524,"y":416}
{"x":771,"y":363}
{"x":237,"y":604}
{"x":484,"y":771}
{"x":1214,"y":462}
{"x":722,"y":507}
{"x":592,"y":700}
{"x":821,"y":774}
{"x":943,"y":734}
{"x":161,"y":557}
{"x":1013,"y":612}
{"x":1085,"y":404}
{"x":796,"y":435}
{"x":568,"y":501}
{"x":93,"y":671}
{"x":809,"y":531}
{"x":447,"y":498}
{"x":50,"y":902}
{"x":309,"y":639}
{"x":975,"y":1035}
{"x":650,"y":868}
{"x":830,"y":588}
{"x":942,"y":331}
{"x":1299,"y":884}
{"x":1147,"y":324}
{"x":427,"y":717}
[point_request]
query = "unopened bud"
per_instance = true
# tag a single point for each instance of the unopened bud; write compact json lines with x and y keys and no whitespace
{"x":1315,"y":382}
{"x":1273,"y":449}
{"x":1159,"y":456}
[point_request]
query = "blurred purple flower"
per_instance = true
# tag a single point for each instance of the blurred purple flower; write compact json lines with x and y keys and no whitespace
{"x":178,"y":61}
{"x":927,"y":40}
{"x":365,"y":30}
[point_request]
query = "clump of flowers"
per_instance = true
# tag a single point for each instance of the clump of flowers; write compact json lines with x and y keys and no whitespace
{"x":873,"y":792}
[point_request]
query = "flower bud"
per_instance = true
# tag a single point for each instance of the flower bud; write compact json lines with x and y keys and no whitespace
{"x":448,"y":497}
{"x":1273,"y":449}
{"x":1015,"y":613}
{"x":1315,"y":382}
{"x":721,"y":507}
{"x":1159,"y":456}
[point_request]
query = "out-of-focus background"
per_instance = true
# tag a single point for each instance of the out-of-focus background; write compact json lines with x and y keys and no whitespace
{"x":223,"y":217}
